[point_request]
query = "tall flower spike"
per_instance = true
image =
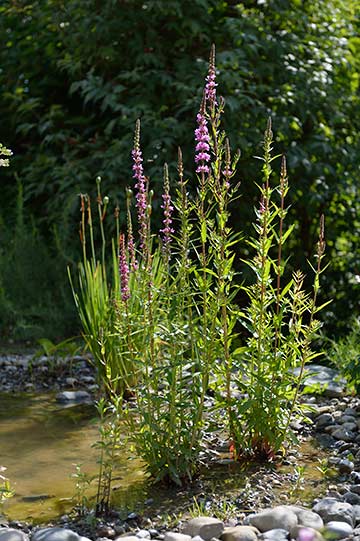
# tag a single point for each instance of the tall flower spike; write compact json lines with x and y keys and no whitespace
{"x":210,"y":87}
{"x":202,"y":138}
{"x":123,"y":269}
{"x":141,"y":194}
{"x":168,"y":209}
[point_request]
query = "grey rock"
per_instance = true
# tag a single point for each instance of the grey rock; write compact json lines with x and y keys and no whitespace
{"x":57,"y":534}
{"x":325,"y":440}
{"x":325,"y":419}
{"x":11,"y":534}
{"x":351,"y":497}
{"x":343,"y":434}
{"x":326,"y":378}
{"x":240,"y":533}
{"x":350,"y":411}
{"x":345,"y":466}
{"x":198,"y":538}
{"x":175,"y":536}
{"x":281,"y":517}
{"x":347,"y":419}
{"x":308,"y":518}
{"x":275,"y":535}
{"x":338,"y":530}
{"x":355,"y":488}
{"x":351,"y":427}
{"x":332,"y":510}
{"x":73,"y":396}
{"x":205,"y":527}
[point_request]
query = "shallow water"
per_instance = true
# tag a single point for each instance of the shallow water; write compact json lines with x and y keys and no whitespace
{"x":40,"y":443}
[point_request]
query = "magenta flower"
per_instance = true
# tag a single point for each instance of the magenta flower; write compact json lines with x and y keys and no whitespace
{"x":210,"y":87}
{"x":123,"y":270}
{"x":141,"y":186}
{"x":306,"y":534}
{"x":168,"y":210}
{"x":202,"y":138}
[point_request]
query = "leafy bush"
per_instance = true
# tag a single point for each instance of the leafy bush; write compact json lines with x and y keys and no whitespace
{"x":298,"y":60}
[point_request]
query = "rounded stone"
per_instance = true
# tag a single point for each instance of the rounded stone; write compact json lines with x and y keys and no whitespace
{"x":351,"y":497}
{"x":57,"y":534}
{"x":281,"y":517}
{"x":338,"y":530}
{"x":205,"y":527}
{"x":275,"y":535}
{"x":332,"y":510}
{"x":345,"y":466}
{"x":240,"y":533}
{"x":11,"y":534}
{"x":308,"y":518}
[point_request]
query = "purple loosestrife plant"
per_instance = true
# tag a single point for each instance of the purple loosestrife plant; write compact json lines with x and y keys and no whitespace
{"x":141,"y":187}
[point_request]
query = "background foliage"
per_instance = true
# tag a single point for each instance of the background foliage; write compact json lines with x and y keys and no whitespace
{"x":76,"y":75}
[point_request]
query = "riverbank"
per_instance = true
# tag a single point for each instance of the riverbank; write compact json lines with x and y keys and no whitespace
{"x":325,"y":464}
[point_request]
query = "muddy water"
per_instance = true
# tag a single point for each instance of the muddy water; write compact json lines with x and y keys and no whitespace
{"x":40,"y":443}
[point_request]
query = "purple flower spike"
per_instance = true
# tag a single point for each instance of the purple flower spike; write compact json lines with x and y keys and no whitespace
{"x":123,"y":270}
{"x":141,"y":195}
{"x":202,"y":139}
{"x":168,"y":210}
{"x":210,"y":87}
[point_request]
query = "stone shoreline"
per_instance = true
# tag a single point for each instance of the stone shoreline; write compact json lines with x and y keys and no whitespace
{"x":336,"y":425}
